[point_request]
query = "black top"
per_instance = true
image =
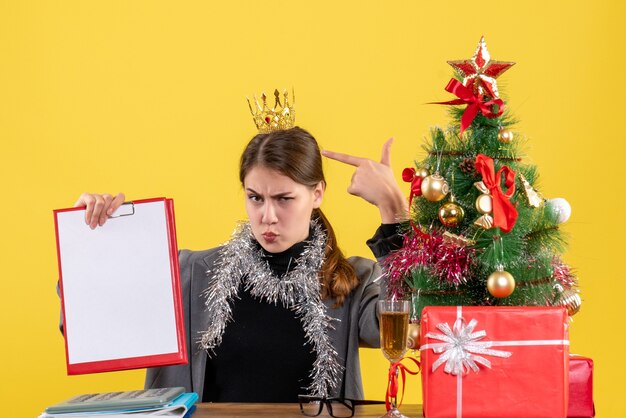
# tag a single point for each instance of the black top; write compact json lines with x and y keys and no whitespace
{"x":242,"y":370}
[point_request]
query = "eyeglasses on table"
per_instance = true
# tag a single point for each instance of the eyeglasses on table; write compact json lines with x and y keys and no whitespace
{"x":312,"y":406}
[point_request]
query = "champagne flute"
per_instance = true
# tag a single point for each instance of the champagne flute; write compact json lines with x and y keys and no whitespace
{"x":394,"y":330}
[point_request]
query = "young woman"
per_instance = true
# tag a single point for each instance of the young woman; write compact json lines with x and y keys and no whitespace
{"x":278,"y":310}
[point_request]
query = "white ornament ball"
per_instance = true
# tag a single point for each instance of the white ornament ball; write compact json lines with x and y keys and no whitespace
{"x":561,"y":208}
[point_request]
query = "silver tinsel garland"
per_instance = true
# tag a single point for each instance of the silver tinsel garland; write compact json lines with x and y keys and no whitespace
{"x":299,"y":290}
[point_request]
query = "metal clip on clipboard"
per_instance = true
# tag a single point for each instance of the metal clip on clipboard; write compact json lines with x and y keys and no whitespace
{"x":130,"y":210}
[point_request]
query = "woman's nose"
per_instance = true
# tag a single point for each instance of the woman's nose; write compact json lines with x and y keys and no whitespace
{"x":269,"y":214}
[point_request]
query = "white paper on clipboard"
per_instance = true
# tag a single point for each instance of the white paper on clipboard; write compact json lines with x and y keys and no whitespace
{"x":120,"y":289}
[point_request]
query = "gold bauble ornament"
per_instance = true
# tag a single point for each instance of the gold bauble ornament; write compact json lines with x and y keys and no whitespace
{"x":451,"y":214}
{"x":413,"y":341}
{"x":434,"y":187}
{"x":422,"y":172}
{"x":570,"y":298}
{"x":500,"y":284}
{"x":505,"y":136}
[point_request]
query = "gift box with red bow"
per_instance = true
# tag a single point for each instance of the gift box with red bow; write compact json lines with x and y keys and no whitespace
{"x":580,"y":388}
{"x":482,"y":362}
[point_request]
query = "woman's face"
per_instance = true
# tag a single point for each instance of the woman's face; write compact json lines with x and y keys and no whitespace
{"x":279,"y":209}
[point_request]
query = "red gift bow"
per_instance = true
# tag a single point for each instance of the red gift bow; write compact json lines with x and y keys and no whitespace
{"x":409,"y":175}
{"x":504,"y":212}
{"x":474,"y":104}
{"x":392,"y":384}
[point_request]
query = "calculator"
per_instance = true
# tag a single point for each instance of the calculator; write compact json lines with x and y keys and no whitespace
{"x":116,"y":401}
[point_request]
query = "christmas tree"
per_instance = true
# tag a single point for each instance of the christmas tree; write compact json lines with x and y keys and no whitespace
{"x":480,"y":233}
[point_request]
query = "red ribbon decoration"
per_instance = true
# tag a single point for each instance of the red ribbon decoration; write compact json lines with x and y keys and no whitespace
{"x":474,"y":104}
{"x":504,"y":212}
{"x":409,"y":175}
{"x":393,"y":384}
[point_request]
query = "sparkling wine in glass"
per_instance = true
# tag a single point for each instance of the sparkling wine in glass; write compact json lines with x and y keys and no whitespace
{"x":394,"y":331}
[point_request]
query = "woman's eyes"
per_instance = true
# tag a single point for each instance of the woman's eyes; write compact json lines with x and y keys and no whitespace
{"x":256,"y":198}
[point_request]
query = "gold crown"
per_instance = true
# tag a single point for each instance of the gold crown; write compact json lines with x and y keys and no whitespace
{"x":280,"y":117}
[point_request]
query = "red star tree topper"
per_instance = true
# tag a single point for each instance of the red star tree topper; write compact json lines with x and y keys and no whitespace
{"x":480,"y":72}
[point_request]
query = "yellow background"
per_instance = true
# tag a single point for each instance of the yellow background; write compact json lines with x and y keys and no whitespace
{"x":147,"y":97}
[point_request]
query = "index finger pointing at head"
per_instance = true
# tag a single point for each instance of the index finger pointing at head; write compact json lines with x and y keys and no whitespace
{"x":385,"y":157}
{"x":344,"y":158}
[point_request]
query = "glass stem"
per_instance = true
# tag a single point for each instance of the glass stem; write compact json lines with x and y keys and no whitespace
{"x":394,"y":399}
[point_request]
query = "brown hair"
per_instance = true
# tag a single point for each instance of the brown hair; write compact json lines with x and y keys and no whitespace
{"x":294,"y":153}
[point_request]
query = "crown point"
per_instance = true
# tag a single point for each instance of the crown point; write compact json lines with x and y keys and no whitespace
{"x":258,"y":105}
{"x":277,"y":99}
{"x":286,"y":97}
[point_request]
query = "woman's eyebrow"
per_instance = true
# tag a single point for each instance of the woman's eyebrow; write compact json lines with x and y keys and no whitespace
{"x":274,"y":196}
{"x":279,"y":195}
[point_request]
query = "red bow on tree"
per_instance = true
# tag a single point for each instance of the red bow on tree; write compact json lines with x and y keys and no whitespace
{"x":410,"y":176}
{"x":475,"y":103}
{"x":504,"y":212}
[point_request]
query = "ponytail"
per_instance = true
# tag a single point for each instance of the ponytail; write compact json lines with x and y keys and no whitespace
{"x":337,"y":277}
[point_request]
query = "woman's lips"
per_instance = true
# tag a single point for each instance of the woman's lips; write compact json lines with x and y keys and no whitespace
{"x":269,"y":236}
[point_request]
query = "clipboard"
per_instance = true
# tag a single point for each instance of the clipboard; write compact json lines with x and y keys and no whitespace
{"x":120,"y":288}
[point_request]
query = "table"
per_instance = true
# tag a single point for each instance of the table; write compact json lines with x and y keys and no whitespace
{"x":288,"y":410}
